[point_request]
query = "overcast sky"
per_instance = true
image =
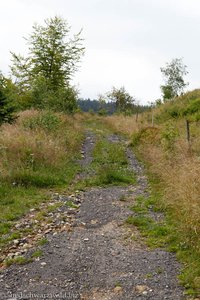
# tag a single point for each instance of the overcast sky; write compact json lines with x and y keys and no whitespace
{"x":127,"y":41}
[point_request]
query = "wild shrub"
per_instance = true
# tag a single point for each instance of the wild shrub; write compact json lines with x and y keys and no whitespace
{"x":47,"y":120}
{"x":169,"y":136}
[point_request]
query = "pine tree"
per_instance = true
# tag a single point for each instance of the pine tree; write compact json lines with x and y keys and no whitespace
{"x":7,"y":109}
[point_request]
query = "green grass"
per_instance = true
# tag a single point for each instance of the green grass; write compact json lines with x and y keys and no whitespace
{"x":109,"y":166}
{"x":20,"y":260}
{"x":71,"y":204}
{"x":163,"y":234}
{"x":42,"y":242}
{"x":15,"y":201}
{"x":159,"y":233}
{"x":27,"y":177}
{"x":37,"y":253}
{"x":111,"y":176}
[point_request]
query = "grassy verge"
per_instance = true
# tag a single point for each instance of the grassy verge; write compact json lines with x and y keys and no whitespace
{"x":38,"y":153}
{"x":162,"y":232}
{"x":174,"y":171}
{"x":176,"y":194}
{"x":109,"y":165}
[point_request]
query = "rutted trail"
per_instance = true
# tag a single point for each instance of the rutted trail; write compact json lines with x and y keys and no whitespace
{"x":101,"y":258}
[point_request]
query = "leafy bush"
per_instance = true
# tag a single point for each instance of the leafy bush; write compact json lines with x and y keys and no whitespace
{"x":192,"y":107}
{"x":169,"y":136}
{"x":63,"y":99}
{"x":146,"y":135}
{"x":7,"y":107}
{"x":46,"y":120}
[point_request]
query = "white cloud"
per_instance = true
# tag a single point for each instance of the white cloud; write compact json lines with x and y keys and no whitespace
{"x":126,"y":41}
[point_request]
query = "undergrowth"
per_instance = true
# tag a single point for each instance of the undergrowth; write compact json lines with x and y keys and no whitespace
{"x":38,"y":152}
{"x":174,"y":169}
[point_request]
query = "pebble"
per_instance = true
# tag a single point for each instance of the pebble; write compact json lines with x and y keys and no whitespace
{"x":10,"y":255}
{"x":17,"y":226}
{"x":93,"y":222}
{"x":43,"y":264}
{"x":145,"y":293}
{"x":117,"y":289}
{"x":141,"y":289}
{"x":16,"y":242}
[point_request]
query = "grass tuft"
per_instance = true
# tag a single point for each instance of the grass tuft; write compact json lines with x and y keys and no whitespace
{"x":20,"y":260}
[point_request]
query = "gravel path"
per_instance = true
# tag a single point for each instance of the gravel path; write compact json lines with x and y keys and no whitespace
{"x":101,"y":258}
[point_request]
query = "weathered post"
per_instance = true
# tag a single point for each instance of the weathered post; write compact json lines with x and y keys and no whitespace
{"x":188,"y":131}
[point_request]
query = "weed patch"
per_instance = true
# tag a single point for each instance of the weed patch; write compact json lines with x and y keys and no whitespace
{"x":37,"y":253}
{"x":110,"y":165}
{"x":20,"y":260}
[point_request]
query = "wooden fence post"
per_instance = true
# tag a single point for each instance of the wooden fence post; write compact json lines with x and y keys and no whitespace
{"x":188,"y":131}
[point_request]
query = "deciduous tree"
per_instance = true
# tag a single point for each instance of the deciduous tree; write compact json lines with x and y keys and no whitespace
{"x":124,"y":101}
{"x":173,"y":74}
{"x":53,"y":57}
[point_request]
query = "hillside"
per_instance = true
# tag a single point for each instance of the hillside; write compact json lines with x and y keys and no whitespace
{"x":172,"y":162}
{"x":186,"y":106}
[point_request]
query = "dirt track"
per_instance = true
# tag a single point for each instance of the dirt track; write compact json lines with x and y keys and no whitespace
{"x":101,"y":258}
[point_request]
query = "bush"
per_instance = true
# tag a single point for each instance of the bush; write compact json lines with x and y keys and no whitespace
{"x":7,"y":107}
{"x":146,"y":135}
{"x":192,"y":107}
{"x":169,"y":136}
{"x":62,"y":100}
{"x":46,"y":120}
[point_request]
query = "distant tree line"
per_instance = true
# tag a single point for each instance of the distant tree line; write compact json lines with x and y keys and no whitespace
{"x":106,"y":108}
{"x":88,"y":105}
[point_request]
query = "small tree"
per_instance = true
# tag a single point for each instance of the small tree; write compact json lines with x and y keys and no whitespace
{"x":52,"y":60}
{"x":173,"y":74}
{"x":124,"y":102}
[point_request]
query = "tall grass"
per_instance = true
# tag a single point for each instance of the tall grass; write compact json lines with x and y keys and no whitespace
{"x":125,"y":124}
{"x":176,"y":167}
{"x":39,"y":144}
{"x":39,"y":151}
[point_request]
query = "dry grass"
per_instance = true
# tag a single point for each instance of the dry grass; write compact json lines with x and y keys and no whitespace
{"x":33,"y":142}
{"x":180,"y":176}
{"x":125,"y":124}
{"x":176,"y":164}
{"x":177,"y":167}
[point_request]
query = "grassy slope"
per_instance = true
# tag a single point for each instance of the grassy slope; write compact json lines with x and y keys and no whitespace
{"x":173,"y":167}
{"x":38,"y":153}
